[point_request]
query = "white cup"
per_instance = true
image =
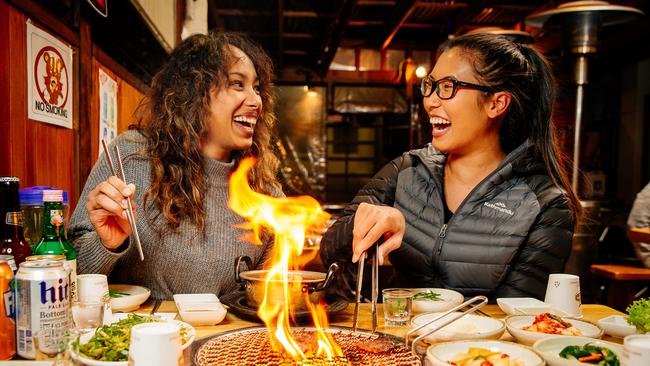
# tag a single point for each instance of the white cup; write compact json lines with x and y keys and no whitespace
{"x":563,"y":293}
{"x":155,"y":344}
{"x":93,"y":288}
{"x":636,"y":350}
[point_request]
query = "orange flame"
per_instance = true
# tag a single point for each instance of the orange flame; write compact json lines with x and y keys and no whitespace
{"x":288,"y":218}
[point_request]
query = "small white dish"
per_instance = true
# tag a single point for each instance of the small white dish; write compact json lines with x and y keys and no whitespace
{"x":550,"y":349}
{"x":439,"y":354}
{"x":617,"y":326}
{"x":515,"y":323}
{"x":202,"y":313}
{"x":468,"y":327}
{"x":200,"y":309}
{"x":527,"y":306}
{"x":190,"y":331}
{"x":137,"y":295}
{"x":448,"y":299}
{"x":180,"y":298}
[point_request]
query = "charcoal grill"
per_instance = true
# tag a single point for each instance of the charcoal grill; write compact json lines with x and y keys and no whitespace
{"x":251,"y":346}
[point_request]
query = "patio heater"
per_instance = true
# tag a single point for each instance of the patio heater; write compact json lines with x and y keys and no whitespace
{"x":581,"y":22}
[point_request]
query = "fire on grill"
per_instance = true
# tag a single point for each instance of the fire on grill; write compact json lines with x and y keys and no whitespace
{"x":251,"y":346}
{"x":289,"y":218}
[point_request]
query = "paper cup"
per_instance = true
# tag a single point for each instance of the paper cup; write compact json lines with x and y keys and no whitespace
{"x":563,"y":293}
{"x":94,"y":288}
{"x":636,"y":350}
{"x":155,"y":344}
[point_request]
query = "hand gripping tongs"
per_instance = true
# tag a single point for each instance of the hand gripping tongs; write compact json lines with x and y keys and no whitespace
{"x":374,"y":260}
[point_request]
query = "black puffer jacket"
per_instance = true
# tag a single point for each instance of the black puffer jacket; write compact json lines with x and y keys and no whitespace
{"x":510,"y":233}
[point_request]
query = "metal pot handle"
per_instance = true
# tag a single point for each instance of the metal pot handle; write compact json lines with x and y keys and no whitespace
{"x":320,"y":286}
{"x":238,"y":260}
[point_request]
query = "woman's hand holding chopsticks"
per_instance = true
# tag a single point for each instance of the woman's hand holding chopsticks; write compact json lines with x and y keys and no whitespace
{"x":107,"y":210}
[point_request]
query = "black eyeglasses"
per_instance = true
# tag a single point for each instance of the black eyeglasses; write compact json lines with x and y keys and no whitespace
{"x":446,"y":88}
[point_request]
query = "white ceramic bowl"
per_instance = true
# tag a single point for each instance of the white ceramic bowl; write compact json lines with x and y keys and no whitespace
{"x":551,"y":347}
{"x":527,"y":306}
{"x":617,"y":326}
{"x":515,"y":323}
{"x":208,"y":313}
{"x":191,"y":333}
{"x":439,"y":354}
{"x":448,"y":299}
{"x":137,"y":296}
{"x":468,"y":327}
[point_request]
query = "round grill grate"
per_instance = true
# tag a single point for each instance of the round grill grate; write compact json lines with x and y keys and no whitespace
{"x":251,"y":346}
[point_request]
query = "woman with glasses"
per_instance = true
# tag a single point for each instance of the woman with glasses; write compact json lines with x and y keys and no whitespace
{"x":486,"y":208}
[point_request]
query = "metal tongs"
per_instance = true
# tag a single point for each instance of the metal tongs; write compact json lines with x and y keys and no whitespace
{"x":372,"y":252}
{"x":129,"y":212}
{"x":483,"y":301}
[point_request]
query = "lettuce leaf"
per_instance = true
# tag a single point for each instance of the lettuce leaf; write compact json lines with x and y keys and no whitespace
{"x":639,"y":315}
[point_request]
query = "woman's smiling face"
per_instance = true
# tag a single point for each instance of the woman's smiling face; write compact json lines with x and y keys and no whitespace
{"x":234,"y":108}
{"x":460,"y":124}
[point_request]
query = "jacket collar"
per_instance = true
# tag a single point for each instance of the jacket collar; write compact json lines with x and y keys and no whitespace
{"x":522,"y":160}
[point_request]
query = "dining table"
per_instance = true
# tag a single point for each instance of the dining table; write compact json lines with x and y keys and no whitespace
{"x":591,"y":313}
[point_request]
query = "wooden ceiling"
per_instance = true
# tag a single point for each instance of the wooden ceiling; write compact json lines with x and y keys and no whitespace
{"x":306,"y":33}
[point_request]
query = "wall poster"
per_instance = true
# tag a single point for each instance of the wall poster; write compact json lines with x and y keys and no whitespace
{"x":49,"y":78}
{"x":107,"y":109}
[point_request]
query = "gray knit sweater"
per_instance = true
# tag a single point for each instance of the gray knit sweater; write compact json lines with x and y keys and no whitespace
{"x":181,"y":262}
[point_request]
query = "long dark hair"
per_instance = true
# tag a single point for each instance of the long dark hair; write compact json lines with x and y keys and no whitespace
{"x":524,"y":73}
{"x":176,"y":121}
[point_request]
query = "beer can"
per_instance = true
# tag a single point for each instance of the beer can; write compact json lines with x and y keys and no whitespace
{"x":42,"y":302}
{"x":68,"y":265}
{"x":7,"y":313}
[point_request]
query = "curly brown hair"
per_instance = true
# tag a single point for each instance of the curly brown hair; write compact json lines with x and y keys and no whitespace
{"x":176,"y":120}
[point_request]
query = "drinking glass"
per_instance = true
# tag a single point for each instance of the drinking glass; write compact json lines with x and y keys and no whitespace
{"x":52,"y":345}
{"x":87,"y":315}
{"x":397,"y":306}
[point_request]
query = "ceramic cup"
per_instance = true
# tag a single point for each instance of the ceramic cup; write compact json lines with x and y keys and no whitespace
{"x":93,"y":288}
{"x":636,"y":350}
{"x":155,"y":344}
{"x":563,"y":293}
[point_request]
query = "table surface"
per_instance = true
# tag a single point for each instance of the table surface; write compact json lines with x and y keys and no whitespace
{"x":591,"y":312}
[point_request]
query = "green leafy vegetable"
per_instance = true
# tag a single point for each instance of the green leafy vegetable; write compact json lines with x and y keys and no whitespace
{"x":115,"y":294}
{"x":591,"y":354}
{"x":639,"y":315}
{"x":427,"y":295}
{"x":111,"y":342}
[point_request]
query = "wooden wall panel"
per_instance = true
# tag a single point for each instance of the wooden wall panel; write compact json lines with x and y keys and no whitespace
{"x":37,"y":153}
{"x":128,"y":99}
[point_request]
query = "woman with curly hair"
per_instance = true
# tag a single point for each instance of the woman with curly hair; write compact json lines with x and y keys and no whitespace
{"x":210,"y":106}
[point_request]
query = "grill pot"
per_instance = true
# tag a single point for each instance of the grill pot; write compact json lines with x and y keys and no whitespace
{"x":311,"y":282}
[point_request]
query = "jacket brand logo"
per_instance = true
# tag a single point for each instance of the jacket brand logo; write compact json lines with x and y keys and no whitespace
{"x":499,"y":206}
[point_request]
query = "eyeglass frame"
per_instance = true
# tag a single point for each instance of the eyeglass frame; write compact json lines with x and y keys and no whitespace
{"x":457,"y":84}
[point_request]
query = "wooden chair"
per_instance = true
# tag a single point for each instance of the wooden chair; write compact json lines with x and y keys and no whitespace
{"x":623,"y":283}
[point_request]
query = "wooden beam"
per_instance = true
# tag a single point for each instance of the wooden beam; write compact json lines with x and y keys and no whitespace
{"x":119,"y":70}
{"x":244,"y":13}
{"x":34,"y":10}
{"x":400,"y":16}
{"x":83,"y":158}
{"x":280,"y":38}
{"x":333,"y":37}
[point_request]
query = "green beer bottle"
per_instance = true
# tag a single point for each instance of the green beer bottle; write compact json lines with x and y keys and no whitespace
{"x":53,"y":240}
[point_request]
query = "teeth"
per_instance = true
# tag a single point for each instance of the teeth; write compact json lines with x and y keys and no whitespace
{"x":242,"y":119}
{"x":439,"y":121}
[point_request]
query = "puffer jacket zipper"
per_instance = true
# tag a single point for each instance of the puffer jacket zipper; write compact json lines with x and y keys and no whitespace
{"x":443,"y":230}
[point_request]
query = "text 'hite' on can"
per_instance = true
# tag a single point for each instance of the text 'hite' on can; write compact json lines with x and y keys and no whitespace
{"x":7,"y":309}
{"x":42,"y":302}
